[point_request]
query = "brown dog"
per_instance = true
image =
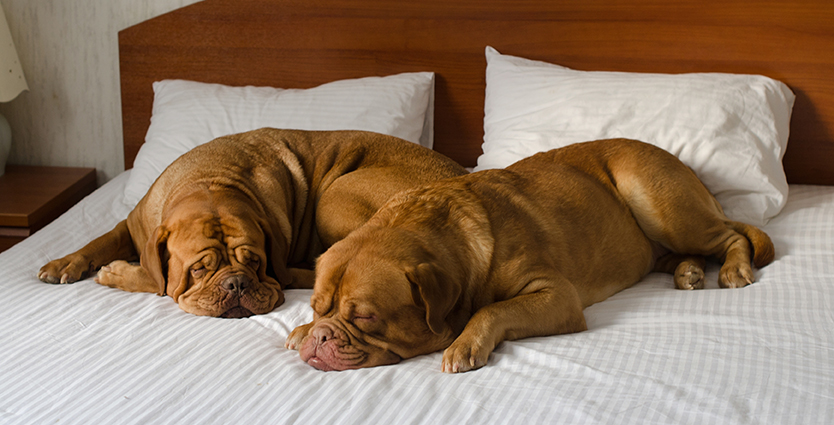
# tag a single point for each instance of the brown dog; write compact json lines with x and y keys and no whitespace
{"x":505,"y":254}
{"x":223,"y":227}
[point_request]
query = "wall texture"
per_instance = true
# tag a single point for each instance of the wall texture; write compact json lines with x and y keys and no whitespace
{"x":69,"y":52}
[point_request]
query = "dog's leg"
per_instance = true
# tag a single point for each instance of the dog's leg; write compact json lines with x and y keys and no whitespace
{"x":688,"y":270}
{"x":113,"y":245}
{"x":127,"y":277}
{"x":554,"y":309}
{"x":736,"y":271}
{"x":679,"y":213}
{"x":301,"y":278}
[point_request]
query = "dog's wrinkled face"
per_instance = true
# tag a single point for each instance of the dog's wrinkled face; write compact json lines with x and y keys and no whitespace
{"x":372,"y":307}
{"x":211,"y":258}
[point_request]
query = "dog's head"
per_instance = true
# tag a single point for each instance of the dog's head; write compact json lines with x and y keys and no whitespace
{"x":211,"y":255}
{"x":379,"y":298}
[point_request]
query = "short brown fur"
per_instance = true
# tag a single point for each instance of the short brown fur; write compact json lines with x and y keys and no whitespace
{"x":466,"y":263}
{"x":231,"y":223}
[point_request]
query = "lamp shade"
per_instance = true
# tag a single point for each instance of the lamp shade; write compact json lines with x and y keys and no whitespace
{"x":12,"y":81}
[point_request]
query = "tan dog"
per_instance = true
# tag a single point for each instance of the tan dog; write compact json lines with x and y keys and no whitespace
{"x":223,"y":227}
{"x":505,"y":254}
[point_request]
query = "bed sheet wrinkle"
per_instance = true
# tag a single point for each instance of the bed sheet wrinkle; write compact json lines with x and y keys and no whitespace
{"x":189,"y":372}
{"x":559,"y":370}
{"x":369,"y":399}
{"x":640,"y":375}
{"x":294,"y":312}
{"x":451,"y":399}
{"x":440,"y":396}
{"x":247,"y":373}
{"x":469,"y":401}
{"x":289,"y":392}
{"x":303,"y":388}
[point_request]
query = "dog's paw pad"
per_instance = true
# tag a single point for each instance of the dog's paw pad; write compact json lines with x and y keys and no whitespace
{"x":689,"y":276}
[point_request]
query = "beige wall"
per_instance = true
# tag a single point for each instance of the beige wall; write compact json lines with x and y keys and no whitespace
{"x":69,"y":52}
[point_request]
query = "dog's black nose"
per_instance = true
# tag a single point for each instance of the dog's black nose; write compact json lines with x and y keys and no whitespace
{"x":236,"y":284}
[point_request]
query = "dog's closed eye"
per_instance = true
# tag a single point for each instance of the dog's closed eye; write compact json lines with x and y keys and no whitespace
{"x":198,"y":271}
{"x":366,"y":318}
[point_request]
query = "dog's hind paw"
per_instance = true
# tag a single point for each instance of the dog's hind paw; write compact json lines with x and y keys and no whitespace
{"x":689,"y":275}
{"x":735,"y":275}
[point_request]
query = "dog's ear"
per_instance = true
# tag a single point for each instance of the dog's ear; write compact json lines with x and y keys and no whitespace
{"x":271,"y":265}
{"x":329,"y":272}
{"x":276,"y":247}
{"x":436,"y":295}
{"x":154,"y":258}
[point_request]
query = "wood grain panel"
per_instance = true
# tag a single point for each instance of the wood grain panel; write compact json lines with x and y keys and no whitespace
{"x":300,"y":44}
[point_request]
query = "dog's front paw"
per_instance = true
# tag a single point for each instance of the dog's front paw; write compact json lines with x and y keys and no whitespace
{"x":463,"y":356}
{"x":297,"y":336}
{"x":69,"y":269}
{"x":115,"y":274}
{"x":126,"y":276}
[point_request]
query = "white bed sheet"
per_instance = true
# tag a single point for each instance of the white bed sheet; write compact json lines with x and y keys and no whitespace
{"x":84,"y":353}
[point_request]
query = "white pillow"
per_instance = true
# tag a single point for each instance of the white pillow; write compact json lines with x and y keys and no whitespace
{"x":732,"y":130}
{"x":187,"y":114}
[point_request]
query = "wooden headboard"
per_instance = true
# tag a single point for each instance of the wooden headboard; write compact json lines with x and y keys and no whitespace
{"x":304,"y":43}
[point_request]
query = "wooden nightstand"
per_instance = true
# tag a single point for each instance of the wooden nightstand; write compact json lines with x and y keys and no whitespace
{"x":31,"y":197}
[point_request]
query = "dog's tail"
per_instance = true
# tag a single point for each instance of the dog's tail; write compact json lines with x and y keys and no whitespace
{"x":763,"y":251}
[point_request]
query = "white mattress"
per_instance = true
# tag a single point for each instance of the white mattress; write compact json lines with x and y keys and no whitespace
{"x":87,"y":354}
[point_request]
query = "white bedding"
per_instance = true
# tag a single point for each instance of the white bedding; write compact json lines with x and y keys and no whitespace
{"x":87,"y":354}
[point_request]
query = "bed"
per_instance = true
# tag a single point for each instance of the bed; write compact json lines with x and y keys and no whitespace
{"x":764,"y":354}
